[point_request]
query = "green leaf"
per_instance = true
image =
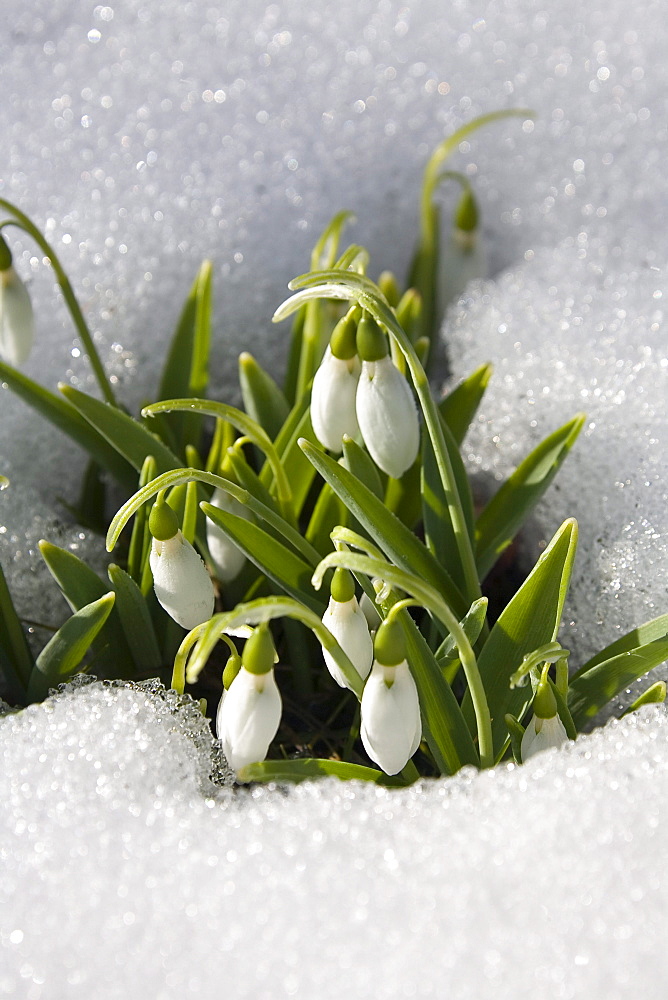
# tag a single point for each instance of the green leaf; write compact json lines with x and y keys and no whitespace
{"x":13,"y":645}
{"x":438,"y":530}
{"x":505,"y":512}
{"x":328,"y":512}
{"x":186,"y":370}
{"x":288,"y":570}
{"x":66,"y":418}
{"x":263,"y":400}
{"x":654,"y":695}
{"x":638,"y":636}
{"x":516,"y":732}
{"x":459,"y":407}
{"x":447,"y":654}
{"x":310,"y":768}
{"x":136,"y":621}
{"x":61,"y":656}
{"x":399,"y":544}
{"x":140,"y":539}
{"x":362,"y":466}
{"x":594,"y":688}
{"x":130,"y":438}
{"x":445,"y":728}
{"x":299,"y":472}
{"x":529,"y":621}
{"x":80,"y":586}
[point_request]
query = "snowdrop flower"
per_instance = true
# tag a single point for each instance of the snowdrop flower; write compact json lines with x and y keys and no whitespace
{"x":391,"y":727}
{"x":463,"y":259}
{"x":180,"y":580}
{"x":250,"y":711}
{"x":335,"y":387}
{"x":386,"y":410}
{"x":347,"y":623}
{"x":546,"y":729}
{"x":17,"y":328}
{"x":227,"y":558}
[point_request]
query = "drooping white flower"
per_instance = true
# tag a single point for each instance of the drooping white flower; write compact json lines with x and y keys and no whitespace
{"x":17,"y":329}
{"x":180,"y":580}
{"x":546,"y":729}
{"x":542,"y":734}
{"x":250,"y":711}
{"x":346,"y":621}
{"x":391,"y":726}
{"x":227,"y":558}
{"x":386,"y":411}
{"x":333,"y":400}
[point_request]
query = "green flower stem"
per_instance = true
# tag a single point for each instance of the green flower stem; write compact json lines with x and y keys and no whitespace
{"x":429,"y":598}
{"x":26,"y":224}
{"x":333,"y":284}
{"x":205,"y":637}
{"x":243,"y":423}
{"x":177,"y":476}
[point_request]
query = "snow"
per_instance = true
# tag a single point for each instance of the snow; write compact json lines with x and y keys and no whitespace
{"x":145,"y":137}
{"x":125,"y":871}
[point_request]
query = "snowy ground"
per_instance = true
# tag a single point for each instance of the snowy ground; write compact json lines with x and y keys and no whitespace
{"x":145,"y":137}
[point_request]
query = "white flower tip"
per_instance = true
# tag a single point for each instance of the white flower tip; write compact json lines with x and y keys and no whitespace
{"x":17,"y":328}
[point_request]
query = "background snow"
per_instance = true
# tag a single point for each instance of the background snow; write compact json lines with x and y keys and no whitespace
{"x":145,"y":137}
{"x":124,"y":873}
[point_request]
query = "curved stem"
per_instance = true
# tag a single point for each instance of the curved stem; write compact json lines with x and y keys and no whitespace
{"x":26,"y":224}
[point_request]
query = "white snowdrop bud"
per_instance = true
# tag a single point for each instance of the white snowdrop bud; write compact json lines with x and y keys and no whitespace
{"x":546,"y":729}
{"x":333,"y":400}
{"x":180,"y":580}
{"x":17,"y":329}
{"x":391,"y":727}
{"x":386,"y":411}
{"x":227,"y":558}
{"x":347,"y":623}
{"x":250,"y":712}
{"x":463,"y":258}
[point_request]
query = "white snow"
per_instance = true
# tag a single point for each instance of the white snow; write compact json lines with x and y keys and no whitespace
{"x":125,"y":872}
{"x":145,"y":137}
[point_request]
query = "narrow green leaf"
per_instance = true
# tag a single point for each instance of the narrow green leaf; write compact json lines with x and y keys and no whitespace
{"x":328,"y":512}
{"x":130,"y":438}
{"x":80,"y":586}
{"x":288,"y":570}
{"x":66,"y":418}
{"x":530,"y":620}
{"x":13,"y":643}
{"x":516,"y":732}
{"x":310,"y":768}
{"x":439,"y":533}
{"x":140,"y":540}
{"x":61,"y":656}
{"x":654,"y":695}
{"x":447,"y":654}
{"x":298,"y":470}
{"x":399,"y":544}
{"x":263,"y":400}
{"x":459,"y":407}
{"x":594,"y":688}
{"x":186,"y":367}
{"x":361,"y":465}
{"x":505,"y":512}
{"x":445,"y":728}
{"x":136,"y":621}
{"x":639,"y":636}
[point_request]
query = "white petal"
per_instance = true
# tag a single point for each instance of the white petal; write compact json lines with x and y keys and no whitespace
{"x":181,"y":583}
{"x":391,"y":727}
{"x":387,"y":416}
{"x":542,"y":734}
{"x":333,"y":401}
{"x":17,"y":329}
{"x":227,"y":558}
{"x":347,"y":623}
{"x":248,"y":718}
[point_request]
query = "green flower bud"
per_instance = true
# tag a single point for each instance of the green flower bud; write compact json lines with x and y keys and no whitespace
{"x":389,"y":647}
{"x":259,"y":653}
{"x":232,"y":668}
{"x":371,"y":341}
{"x":343,"y":340}
{"x":544,"y":702}
{"x":467,"y":217}
{"x":163,"y":522}
{"x":5,"y":255}
{"x":343,"y":586}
